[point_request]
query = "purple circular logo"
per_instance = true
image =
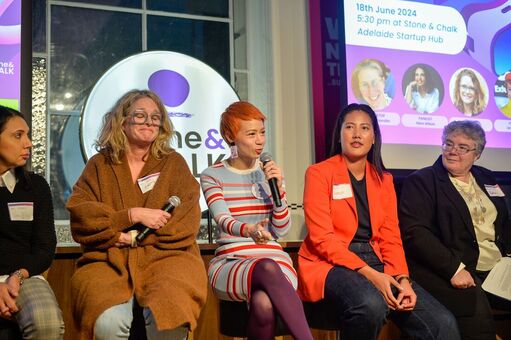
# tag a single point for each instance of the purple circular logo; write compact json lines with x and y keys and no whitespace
{"x":172,"y":87}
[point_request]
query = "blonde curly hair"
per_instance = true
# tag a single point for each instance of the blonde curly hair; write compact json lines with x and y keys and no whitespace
{"x":112,"y":140}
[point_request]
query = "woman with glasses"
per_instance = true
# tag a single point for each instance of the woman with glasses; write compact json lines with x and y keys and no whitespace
{"x":468,"y":95}
{"x":368,"y":82}
{"x":352,"y":257}
{"x":456,"y":227}
{"x":119,"y":194}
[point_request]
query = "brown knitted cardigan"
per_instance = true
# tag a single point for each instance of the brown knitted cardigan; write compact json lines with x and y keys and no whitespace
{"x":165,"y":273}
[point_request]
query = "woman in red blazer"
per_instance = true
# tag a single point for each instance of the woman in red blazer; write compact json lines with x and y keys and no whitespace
{"x":352,"y":255}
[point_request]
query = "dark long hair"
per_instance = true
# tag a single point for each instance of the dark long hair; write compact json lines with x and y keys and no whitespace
{"x":6,"y":114}
{"x":428,"y":84}
{"x":374,"y":155}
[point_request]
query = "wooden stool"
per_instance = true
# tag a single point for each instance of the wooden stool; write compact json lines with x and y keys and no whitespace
{"x":9,"y":330}
{"x":233,"y":317}
{"x":502,"y":323}
{"x":323,"y":316}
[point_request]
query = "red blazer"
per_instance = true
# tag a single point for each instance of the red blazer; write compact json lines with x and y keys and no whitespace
{"x":331,"y":218}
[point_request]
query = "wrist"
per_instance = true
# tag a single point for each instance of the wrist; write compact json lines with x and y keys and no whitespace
{"x":129,"y":216}
{"x":133,"y":215}
{"x":365,"y":271}
{"x":401,"y":278}
{"x":249,"y":230}
{"x":19,"y":275}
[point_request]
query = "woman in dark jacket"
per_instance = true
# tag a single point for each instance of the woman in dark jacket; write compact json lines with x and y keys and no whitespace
{"x":456,"y":227}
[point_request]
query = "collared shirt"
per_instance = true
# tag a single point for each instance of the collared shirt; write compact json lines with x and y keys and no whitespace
{"x":483,"y":214}
{"x":8,"y":179}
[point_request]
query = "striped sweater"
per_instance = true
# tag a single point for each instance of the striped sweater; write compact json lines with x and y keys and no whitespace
{"x":239,"y":197}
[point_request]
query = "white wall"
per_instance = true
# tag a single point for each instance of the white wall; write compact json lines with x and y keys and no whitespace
{"x":279,"y":85}
{"x":292,"y":105}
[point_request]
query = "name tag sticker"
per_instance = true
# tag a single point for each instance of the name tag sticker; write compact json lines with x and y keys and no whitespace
{"x":494,"y":190}
{"x":261,"y":190}
{"x":21,"y":211}
{"x":341,"y":191}
{"x":147,"y":183}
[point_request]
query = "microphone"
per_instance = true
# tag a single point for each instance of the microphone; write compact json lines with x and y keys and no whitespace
{"x":171,"y":204}
{"x":272,"y":182}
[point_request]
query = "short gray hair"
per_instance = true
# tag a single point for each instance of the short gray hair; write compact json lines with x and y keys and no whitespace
{"x":471,"y":129}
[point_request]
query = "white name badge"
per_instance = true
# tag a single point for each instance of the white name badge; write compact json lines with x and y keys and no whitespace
{"x":261,"y":190}
{"x":341,"y":191}
{"x":147,"y":183}
{"x":494,"y":190}
{"x":21,"y":211}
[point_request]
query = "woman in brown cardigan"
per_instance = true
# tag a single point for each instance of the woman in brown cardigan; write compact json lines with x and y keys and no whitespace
{"x":119,"y":194}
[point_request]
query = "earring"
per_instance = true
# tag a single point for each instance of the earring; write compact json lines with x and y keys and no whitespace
{"x":234,"y":150}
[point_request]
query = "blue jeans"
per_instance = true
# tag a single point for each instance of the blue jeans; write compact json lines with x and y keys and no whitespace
{"x":363,"y":311}
{"x":115,"y":323}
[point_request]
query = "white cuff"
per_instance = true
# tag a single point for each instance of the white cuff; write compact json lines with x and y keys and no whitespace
{"x":460,"y":268}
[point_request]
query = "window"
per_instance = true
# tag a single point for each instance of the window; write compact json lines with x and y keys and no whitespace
{"x":75,"y":42}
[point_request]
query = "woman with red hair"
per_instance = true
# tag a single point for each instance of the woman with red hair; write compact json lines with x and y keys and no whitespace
{"x":249,"y":264}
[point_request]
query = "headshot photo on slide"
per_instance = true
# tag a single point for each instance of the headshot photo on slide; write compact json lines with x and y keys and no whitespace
{"x":469,"y":91}
{"x":373,"y":84}
{"x":423,"y":88}
{"x":502,"y":93}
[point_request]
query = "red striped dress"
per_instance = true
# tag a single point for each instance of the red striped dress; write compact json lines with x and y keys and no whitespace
{"x":236,"y":198}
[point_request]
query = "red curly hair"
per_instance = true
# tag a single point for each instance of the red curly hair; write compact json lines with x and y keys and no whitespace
{"x":230,"y":119}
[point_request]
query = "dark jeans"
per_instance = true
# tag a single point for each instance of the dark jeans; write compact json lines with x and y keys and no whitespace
{"x":363,"y":310}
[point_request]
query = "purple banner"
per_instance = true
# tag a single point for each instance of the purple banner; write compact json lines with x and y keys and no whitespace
{"x":10,"y":52}
{"x":326,"y":71}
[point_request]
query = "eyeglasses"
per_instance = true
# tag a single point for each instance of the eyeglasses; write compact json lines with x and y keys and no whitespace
{"x":365,"y":85}
{"x":468,"y":88}
{"x":460,"y":149}
{"x":140,"y":117}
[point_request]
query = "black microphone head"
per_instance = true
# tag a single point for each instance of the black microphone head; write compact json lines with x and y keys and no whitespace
{"x":174,"y":200}
{"x":265,"y":157}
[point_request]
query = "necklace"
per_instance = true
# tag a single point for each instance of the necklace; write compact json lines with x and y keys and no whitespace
{"x":473,"y":200}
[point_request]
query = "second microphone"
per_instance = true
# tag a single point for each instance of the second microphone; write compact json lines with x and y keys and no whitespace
{"x":171,"y":204}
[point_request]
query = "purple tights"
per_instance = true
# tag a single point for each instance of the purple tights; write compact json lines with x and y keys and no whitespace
{"x":271,"y":294}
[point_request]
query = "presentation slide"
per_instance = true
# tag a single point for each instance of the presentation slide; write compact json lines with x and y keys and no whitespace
{"x":422,"y":64}
{"x":10,"y":52}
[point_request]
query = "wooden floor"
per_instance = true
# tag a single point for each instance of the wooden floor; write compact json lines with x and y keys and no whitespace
{"x":59,"y":277}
